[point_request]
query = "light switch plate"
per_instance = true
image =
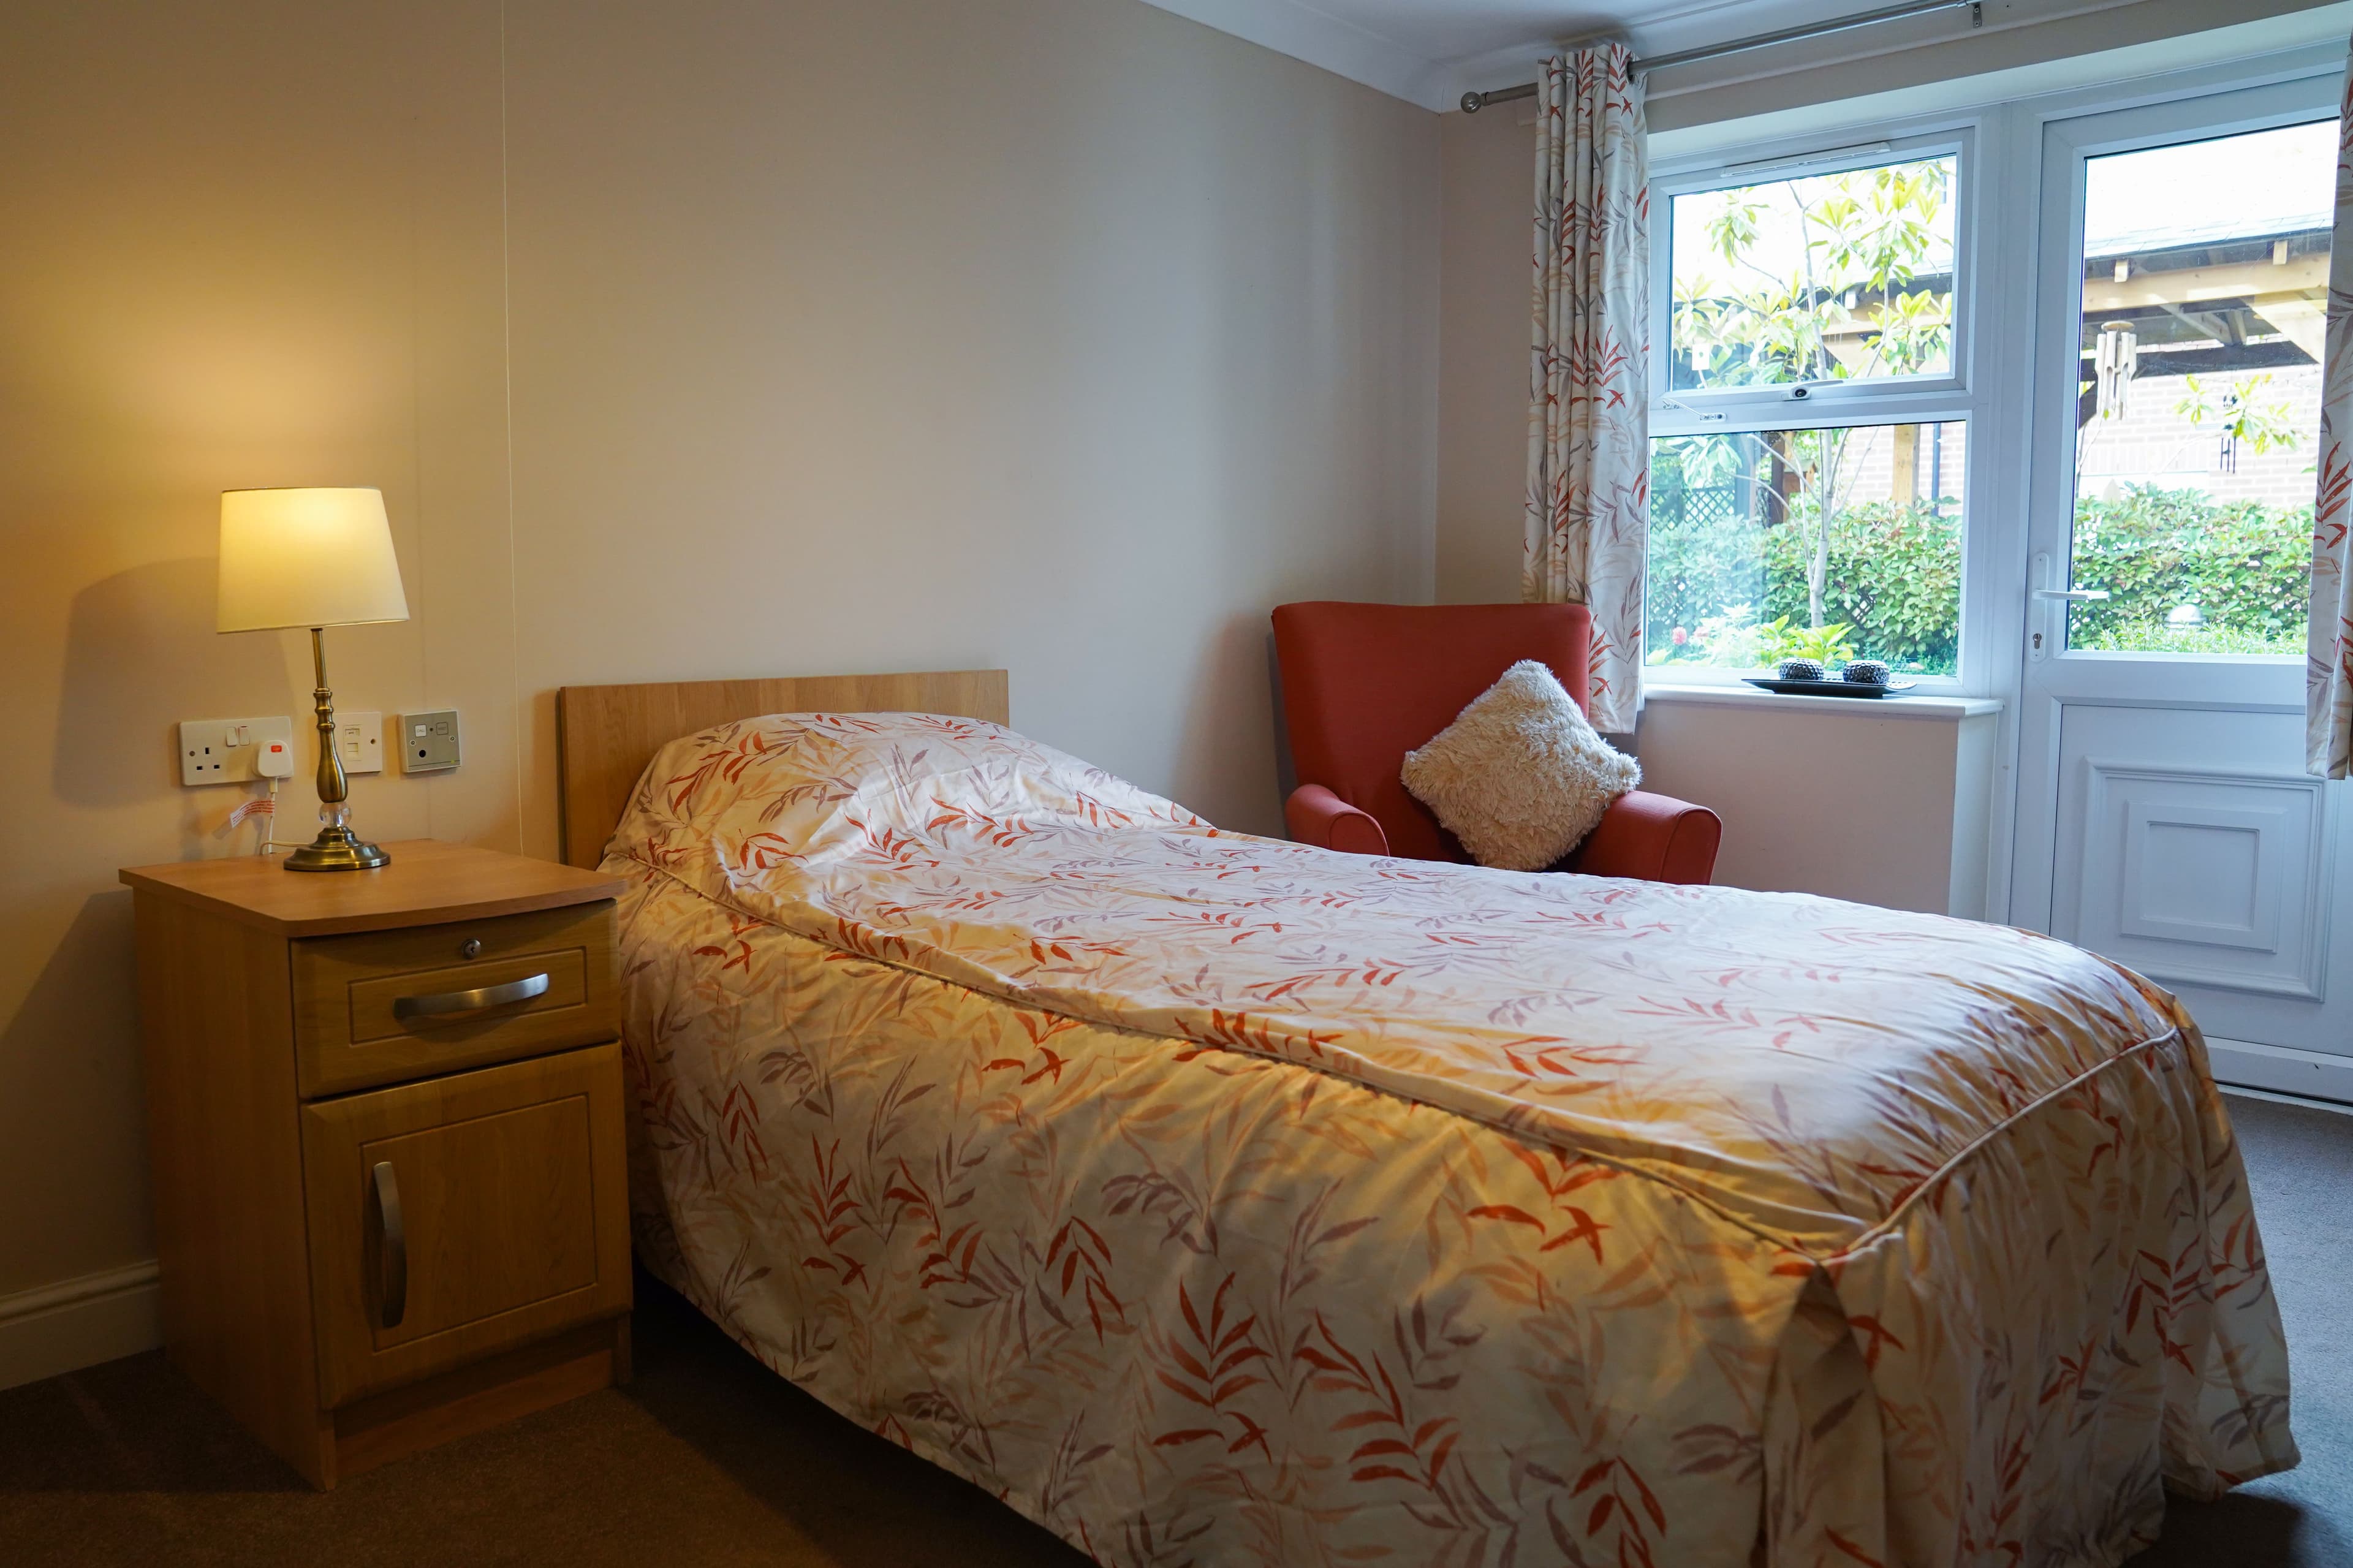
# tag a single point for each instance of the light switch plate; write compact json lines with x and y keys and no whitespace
{"x":224,"y":750}
{"x":428,"y":741}
{"x":359,"y":740}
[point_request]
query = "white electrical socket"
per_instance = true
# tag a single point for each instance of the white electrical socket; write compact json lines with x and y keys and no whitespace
{"x":227,"y":751}
{"x":359,"y":742}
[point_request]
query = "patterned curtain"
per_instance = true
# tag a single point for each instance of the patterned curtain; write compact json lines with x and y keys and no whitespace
{"x":1588,"y":370}
{"x":2328,"y":639}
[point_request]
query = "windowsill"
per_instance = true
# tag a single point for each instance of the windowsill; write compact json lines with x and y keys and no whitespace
{"x":1942,"y":709}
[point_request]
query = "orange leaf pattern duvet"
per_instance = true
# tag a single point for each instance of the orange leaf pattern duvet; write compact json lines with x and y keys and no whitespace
{"x":1213,"y":1199}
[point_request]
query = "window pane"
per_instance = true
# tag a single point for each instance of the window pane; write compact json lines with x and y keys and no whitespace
{"x":1815,"y":278}
{"x":2205,"y":303}
{"x":1743,"y":572}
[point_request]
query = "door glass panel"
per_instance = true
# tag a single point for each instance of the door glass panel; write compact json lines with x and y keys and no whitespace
{"x":1830,"y":544}
{"x":2205,"y":300}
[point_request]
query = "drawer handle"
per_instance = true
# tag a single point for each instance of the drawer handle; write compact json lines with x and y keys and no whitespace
{"x":393,"y":1260}
{"x":474,"y":1001}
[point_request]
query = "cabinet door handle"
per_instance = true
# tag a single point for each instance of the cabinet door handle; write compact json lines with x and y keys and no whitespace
{"x":473,"y":1001}
{"x":393,"y":1260}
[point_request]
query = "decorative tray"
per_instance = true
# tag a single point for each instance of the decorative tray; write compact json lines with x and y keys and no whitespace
{"x":1829,"y":688}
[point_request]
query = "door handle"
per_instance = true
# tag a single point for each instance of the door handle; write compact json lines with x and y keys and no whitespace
{"x":392,"y":1258}
{"x":446,"y":1001}
{"x":2046,"y":629}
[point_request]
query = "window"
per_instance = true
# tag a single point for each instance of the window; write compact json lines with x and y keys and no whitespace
{"x":1840,"y":277}
{"x":1831,"y":543}
{"x":1803,"y":501}
{"x":2198,"y":416}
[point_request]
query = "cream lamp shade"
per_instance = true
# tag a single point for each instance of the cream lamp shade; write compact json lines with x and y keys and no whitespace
{"x":307,"y":558}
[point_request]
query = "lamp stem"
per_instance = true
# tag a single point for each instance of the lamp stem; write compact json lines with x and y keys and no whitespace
{"x":333,"y":785}
{"x":337,"y":847}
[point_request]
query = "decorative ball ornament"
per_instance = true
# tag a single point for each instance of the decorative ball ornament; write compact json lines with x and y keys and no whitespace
{"x":1865,"y":672}
{"x":1798,"y":670}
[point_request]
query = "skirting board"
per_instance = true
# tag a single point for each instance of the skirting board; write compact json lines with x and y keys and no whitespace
{"x":74,"y":1323}
{"x":2314,"y":1075}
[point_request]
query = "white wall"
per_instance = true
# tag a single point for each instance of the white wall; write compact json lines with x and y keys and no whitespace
{"x":699,"y":338}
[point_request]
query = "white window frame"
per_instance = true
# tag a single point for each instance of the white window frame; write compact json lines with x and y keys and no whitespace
{"x":1770,"y":402}
{"x":2007,"y":119}
{"x":1952,"y":396}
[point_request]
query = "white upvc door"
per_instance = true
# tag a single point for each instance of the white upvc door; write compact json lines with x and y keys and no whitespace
{"x":2164,"y":815}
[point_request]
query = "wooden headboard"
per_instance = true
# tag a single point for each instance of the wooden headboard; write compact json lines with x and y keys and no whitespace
{"x":604,"y":735}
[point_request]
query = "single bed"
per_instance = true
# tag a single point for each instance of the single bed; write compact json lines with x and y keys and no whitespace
{"x":1217,"y":1199}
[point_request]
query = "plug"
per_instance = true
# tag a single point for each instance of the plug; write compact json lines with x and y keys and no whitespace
{"x":274,"y":760}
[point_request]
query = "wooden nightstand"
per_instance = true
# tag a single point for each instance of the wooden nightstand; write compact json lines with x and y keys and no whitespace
{"x":383,"y":1114}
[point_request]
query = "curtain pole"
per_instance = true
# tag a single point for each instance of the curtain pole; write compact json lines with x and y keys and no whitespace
{"x":1473,"y":102}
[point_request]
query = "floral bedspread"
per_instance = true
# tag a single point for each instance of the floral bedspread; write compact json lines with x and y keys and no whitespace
{"x":1214,"y":1199}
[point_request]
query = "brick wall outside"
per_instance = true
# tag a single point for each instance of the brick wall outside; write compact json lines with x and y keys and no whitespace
{"x":2154,"y":444}
{"x":1871,"y":453}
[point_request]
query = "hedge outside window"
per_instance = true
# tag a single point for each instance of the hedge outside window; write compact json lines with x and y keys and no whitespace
{"x":1830,"y":544}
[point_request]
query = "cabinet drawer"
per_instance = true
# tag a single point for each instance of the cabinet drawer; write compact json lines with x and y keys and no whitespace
{"x":463,"y":1215}
{"x":381,"y":1007}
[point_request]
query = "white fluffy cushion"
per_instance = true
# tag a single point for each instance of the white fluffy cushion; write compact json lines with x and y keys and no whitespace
{"x":1520,"y":777}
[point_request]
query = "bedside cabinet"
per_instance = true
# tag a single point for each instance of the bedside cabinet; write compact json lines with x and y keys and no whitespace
{"x":383,"y":1118}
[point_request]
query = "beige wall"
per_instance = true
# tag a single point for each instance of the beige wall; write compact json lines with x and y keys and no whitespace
{"x":245,"y":244}
{"x":764,"y":337}
{"x":1070,"y":336}
{"x":1488,"y":183}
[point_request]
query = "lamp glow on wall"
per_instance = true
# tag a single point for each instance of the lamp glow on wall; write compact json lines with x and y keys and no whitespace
{"x":314,"y":558}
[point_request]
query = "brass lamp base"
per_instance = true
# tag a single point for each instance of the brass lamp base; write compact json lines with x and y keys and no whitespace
{"x":337,"y":849}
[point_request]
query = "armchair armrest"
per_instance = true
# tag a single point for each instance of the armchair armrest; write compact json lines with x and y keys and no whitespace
{"x":1651,"y":838}
{"x":1315,"y":815}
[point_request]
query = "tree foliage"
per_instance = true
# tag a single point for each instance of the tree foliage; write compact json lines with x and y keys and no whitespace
{"x":2243,"y":413}
{"x":1861,"y":237}
{"x":1840,"y":304}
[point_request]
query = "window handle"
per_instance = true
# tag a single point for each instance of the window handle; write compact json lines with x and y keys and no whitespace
{"x":2073,"y":595}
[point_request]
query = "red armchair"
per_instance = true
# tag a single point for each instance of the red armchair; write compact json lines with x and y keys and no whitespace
{"x":1364,"y":684}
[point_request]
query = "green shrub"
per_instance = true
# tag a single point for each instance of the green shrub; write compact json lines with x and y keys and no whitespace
{"x":1895,"y":583}
{"x":2205,"y":640}
{"x":1895,"y":572}
{"x":2246,"y":567}
{"x":1700,"y":567}
{"x":1895,"y":577}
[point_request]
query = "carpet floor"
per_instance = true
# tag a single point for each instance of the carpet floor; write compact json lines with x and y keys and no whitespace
{"x":706,"y":1458}
{"x":2300,"y":1164}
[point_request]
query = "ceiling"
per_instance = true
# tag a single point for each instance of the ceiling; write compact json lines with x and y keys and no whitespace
{"x":1432,"y":51}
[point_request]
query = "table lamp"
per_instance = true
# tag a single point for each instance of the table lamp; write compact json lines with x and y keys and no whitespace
{"x":312,"y":558}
